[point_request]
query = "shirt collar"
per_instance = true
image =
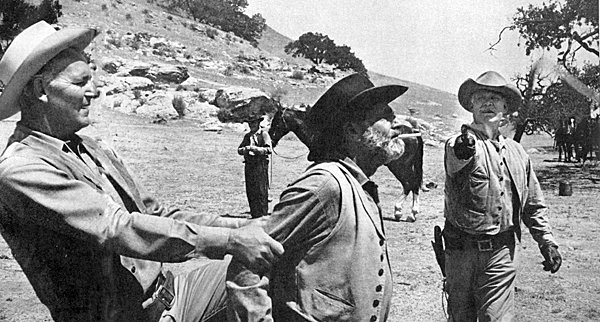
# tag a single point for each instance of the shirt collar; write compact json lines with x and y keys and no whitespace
{"x":355,"y":170}
{"x":22,"y":131}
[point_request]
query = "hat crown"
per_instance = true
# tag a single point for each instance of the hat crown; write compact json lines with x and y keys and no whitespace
{"x":491,"y":78}
{"x":21,"y":47}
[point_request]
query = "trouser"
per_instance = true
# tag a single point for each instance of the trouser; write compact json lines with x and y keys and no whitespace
{"x":200,"y":295}
{"x":257,"y":187}
{"x":481,"y":284}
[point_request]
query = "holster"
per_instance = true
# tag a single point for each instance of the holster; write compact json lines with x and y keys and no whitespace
{"x":163,"y":297}
{"x":438,"y":248}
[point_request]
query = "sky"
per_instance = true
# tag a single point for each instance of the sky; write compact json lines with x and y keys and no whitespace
{"x":438,"y":43}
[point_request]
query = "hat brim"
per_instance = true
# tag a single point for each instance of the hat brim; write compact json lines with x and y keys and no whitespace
{"x":377,"y":95}
{"x":510,"y":92}
{"x":77,"y":38}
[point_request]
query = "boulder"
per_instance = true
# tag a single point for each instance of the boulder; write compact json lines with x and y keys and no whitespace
{"x":114,"y":85}
{"x":239,"y":104}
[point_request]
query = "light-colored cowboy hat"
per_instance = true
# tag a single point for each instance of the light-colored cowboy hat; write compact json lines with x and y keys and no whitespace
{"x":29,"y":52}
{"x":494,"y":82}
{"x":349,"y":99}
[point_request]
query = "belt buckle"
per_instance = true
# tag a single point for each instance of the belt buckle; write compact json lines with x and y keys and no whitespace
{"x":485,"y":245}
{"x":165,"y":297}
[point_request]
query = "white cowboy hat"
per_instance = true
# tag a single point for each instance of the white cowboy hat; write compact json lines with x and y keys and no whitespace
{"x":490,"y":81}
{"x":29,"y":52}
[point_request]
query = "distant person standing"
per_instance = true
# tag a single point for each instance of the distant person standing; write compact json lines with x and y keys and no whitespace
{"x":256,"y":147}
{"x":490,"y":189}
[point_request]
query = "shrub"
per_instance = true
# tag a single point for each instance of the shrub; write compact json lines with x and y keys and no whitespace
{"x":104,"y":7}
{"x":145,"y":11}
{"x":229,"y":71}
{"x":114,"y":41}
{"x":298,"y":74}
{"x":170,"y":17}
{"x":128,"y":16}
{"x":137,"y":94}
{"x":179,"y":105}
{"x":212,"y":33}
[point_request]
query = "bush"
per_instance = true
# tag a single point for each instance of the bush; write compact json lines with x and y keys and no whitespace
{"x":298,"y":74}
{"x":137,"y":94}
{"x":211,"y":32}
{"x":145,"y":11}
{"x":128,"y":16}
{"x":229,"y":71}
{"x":104,"y":7}
{"x":179,"y":105}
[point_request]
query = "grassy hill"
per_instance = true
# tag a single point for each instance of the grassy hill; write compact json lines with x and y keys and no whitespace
{"x":123,"y":17}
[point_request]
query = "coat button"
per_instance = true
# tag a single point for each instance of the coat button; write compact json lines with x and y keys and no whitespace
{"x":382,"y":257}
{"x":376,"y":303}
{"x":373,"y":318}
{"x":378,"y":288}
{"x":501,"y":178}
{"x":133,"y":269}
{"x":381,"y":272}
{"x":381,"y":242}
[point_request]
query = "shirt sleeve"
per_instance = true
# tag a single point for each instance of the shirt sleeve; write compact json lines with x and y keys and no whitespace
{"x":535,"y":210}
{"x":307,"y":211}
{"x":40,"y":194}
{"x":451,"y":162}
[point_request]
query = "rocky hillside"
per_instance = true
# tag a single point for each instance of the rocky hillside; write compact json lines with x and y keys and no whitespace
{"x":160,"y":64}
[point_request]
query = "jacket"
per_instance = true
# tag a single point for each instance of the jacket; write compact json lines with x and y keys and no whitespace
{"x":336,"y":265}
{"x":89,"y":239}
{"x":473,"y":188}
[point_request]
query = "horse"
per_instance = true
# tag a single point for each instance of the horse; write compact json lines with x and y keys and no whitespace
{"x":408,"y":169}
{"x":564,"y":142}
{"x":587,"y":139}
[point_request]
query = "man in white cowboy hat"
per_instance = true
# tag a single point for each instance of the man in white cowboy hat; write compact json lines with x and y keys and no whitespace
{"x":256,"y":148}
{"x":86,"y":235}
{"x":490,"y":189}
{"x":336,"y":265}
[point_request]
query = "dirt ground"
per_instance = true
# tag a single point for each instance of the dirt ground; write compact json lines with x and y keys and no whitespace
{"x":189,"y":167}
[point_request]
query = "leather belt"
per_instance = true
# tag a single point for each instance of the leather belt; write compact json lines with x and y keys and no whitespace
{"x":163,"y":297}
{"x":481,"y":243}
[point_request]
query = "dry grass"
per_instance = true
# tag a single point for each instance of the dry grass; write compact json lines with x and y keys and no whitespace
{"x":193,"y":169}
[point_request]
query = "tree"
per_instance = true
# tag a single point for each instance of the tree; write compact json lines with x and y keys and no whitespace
{"x":227,"y":15}
{"x":17,"y":15}
{"x":312,"y":46}
{"x":569,"y":26}
{"x":319,"y":48}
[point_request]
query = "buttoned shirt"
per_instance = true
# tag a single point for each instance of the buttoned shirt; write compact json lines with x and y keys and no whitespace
{"x":494,"y":190}
{"x":259,"y":139}
{"x":336,"y":265}
{"x":88,"y":237}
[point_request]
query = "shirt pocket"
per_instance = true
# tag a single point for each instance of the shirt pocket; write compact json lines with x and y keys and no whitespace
{"x":476,"y":197}
{"x":330,"y":307}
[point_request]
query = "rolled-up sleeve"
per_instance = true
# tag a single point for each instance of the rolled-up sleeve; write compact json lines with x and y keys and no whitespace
{"x":40,"y":194}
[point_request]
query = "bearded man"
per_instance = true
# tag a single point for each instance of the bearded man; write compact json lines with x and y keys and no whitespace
{"x":336,"y":265}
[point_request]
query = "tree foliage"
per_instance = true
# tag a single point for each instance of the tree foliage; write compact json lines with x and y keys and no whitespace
{"x":227,"y":15}
{"x":319,"y":48}
{"x":547,"y":102}
{"x":17,"y":15}
{"x":567,"y":27}
{"x":570,"y":27}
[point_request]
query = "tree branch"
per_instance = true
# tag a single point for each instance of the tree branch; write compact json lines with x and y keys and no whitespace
{"x":500,"y":37}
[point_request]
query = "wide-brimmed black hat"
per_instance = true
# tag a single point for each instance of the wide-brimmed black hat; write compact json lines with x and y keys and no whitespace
{"x":349,"y":99}
{"x":491,"y":81}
